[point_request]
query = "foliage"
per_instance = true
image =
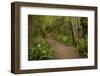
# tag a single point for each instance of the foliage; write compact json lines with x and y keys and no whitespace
{"x":61,"y":30}
{"x":62,"y":38}
{"x":40,"y":50}
{"x":39,"y":26}
{"x":83,"y":47}
{"x":84,"y":22}
{"x":83,"y":43}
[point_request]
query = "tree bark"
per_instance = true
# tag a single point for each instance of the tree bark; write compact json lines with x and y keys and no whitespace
{"x":76,"y":29}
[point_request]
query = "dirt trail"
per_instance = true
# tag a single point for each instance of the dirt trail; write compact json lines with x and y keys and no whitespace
{"x":61,"y":51}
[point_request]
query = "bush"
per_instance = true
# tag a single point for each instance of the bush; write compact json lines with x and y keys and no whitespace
{"x":62,"y":38}
{"x":83,"y":47}
{"x":40,"y":50}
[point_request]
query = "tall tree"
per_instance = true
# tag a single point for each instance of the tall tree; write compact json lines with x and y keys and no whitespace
{"x":76,"y":29}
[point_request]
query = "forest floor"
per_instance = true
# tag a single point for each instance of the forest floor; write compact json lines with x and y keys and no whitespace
{"x":60,"y":50}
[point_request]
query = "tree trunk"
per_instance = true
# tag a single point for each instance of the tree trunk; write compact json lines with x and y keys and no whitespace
{"x":76,"y":30}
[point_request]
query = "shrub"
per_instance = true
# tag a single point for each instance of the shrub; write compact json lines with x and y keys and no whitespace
{"x":82,"y":47}
{"x":40,"y":50}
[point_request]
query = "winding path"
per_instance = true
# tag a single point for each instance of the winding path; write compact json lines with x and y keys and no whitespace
{"x":61,"y":51}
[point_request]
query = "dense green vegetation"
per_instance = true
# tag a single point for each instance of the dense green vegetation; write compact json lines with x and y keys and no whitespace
{"x":63,"y":29}
{"x":83,"y":43}
{"x":40,"y":50}
{"x":83,"y":47}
